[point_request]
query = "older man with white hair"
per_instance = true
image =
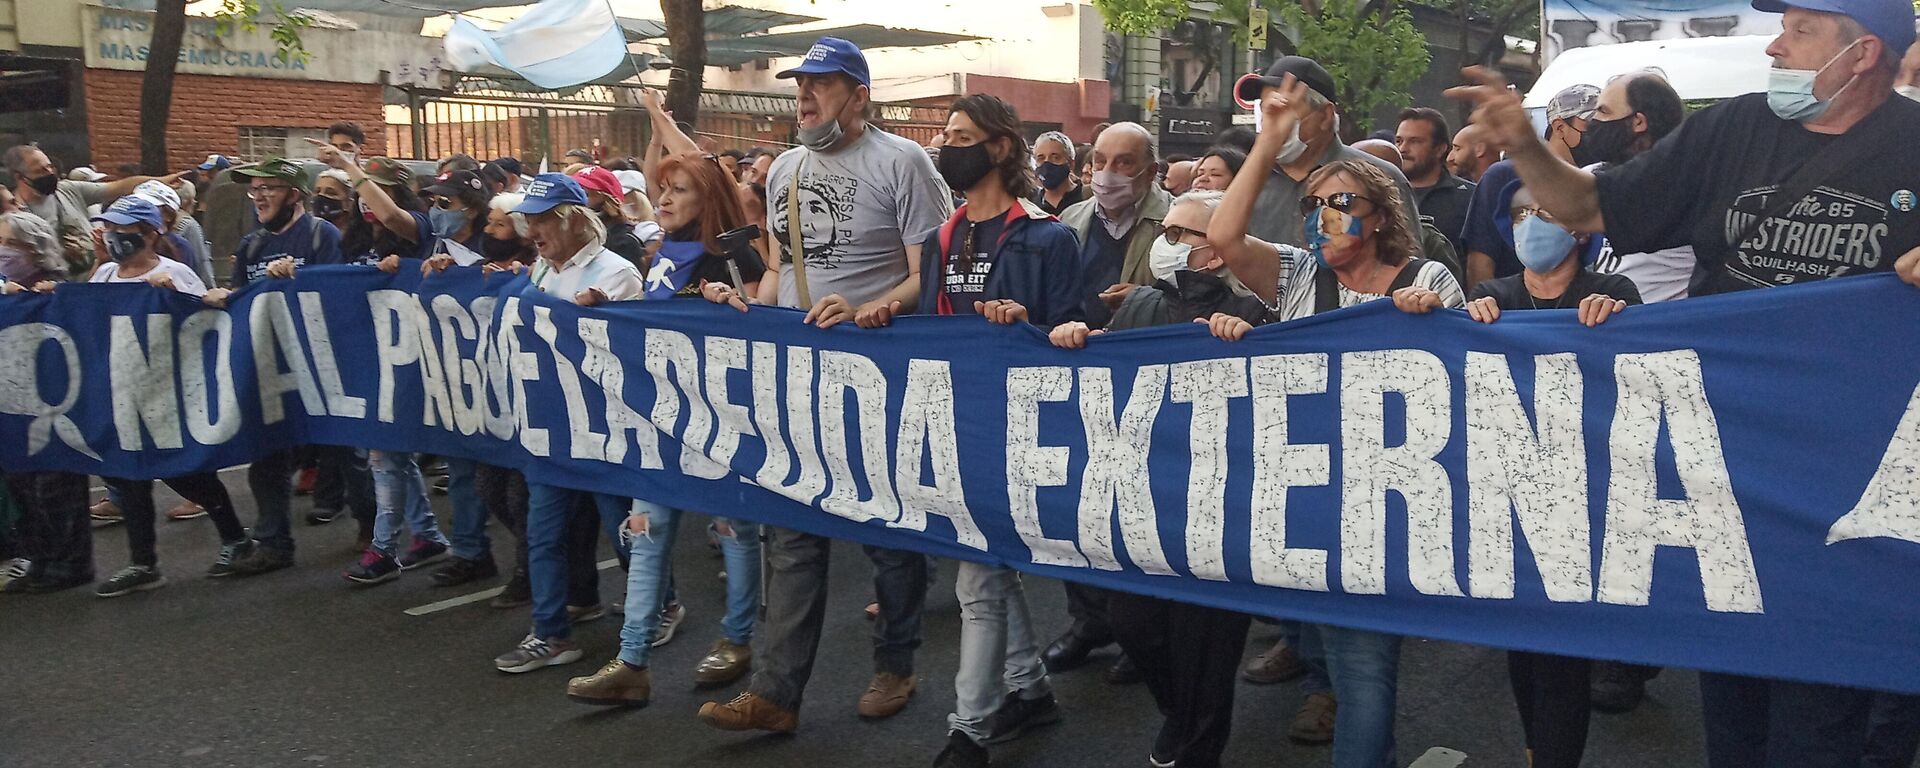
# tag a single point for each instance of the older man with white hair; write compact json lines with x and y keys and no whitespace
{"x":1053,"y":162}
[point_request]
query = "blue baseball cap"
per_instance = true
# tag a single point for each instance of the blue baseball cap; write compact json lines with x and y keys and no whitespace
{"x":1889,"y":20}
{"x":216,"y":163}
{"x":132,"y":210}
{"x":548,"y":190}
{"x":830,"y":56}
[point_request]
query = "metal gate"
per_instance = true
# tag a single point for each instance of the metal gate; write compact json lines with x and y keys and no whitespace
{"x":490,"y":124}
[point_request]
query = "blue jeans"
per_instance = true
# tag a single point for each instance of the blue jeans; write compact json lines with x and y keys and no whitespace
{"x":398,"y":489}
{"x":1754,"y":722}
{"x":1315,"y":680}
{"x":650,"y":582}
{"x":549,"y":509}
{"x":468,"y":534}
{"x":998,"y":652}
{"x":1365,"y":670}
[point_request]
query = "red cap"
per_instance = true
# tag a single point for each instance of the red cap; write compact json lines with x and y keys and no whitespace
{"x":597,"y":179}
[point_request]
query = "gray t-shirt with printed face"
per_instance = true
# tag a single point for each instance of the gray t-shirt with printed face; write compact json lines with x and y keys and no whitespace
{"x":860,"y":207}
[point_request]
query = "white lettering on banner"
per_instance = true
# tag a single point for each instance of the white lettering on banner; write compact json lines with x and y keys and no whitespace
{"x":395,"y":341}
{"x":20,"y":385}
{"x":1280,"y":464}
{"x":841,"y":374}
{"x":1117,"y":472}
{"x":1032,"y":466}
{"x":142,"y":380}
{"x":320,"y":342}
{"x":522,"y":367}
{"x":497,"y":413}
{"x":671,"y":348}
{"x":1667,"y":386}
{"x":926,"y":427}
{"x":1369,"y":469}
{"x":582,"y":442}
{"x":1890,"y":506}
{"x":731,"y":419}
{"x":466,"y":378}
{"x":271,"y":328}
{"x":792,"y":452}
{"x":1208,"y":385}
{"x":215,"y":422}
{"x":604,"y":368}
{"x":1538,"y":474}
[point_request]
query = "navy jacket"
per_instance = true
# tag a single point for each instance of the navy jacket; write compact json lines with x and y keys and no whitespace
{"x":1036,"y":263}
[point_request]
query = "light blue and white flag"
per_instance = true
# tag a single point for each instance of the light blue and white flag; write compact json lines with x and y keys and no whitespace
{"x":557,"y":44}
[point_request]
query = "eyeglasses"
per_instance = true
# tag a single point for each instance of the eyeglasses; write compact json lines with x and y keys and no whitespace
{"x":267,"y":189}
{"x":1344,"y":202}
{"x":1528,"y":212}
{"x":1175,"y":234}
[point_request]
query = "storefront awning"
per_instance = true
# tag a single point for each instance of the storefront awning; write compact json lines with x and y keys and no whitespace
{"x":722,"y":22}
{"x":736,"y":51}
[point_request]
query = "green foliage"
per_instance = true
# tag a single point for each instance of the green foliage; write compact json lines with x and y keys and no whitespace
{"x":245,"y":15}
{"x":1374,"y":60}
{"x":1142,"y":17}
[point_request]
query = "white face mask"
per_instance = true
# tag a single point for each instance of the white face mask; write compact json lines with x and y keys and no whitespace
{"x":1294,"y":147}
{"x":1909,"y":91}
{"x":1167,"y":258}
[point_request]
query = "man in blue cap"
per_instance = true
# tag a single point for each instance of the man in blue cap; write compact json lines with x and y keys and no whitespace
{"x":1811,"y":180}
{"x":849,"y":209}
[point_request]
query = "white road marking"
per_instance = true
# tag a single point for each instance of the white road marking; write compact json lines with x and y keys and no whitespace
{"x":1440,"y":757}
{"x":487,"y":594}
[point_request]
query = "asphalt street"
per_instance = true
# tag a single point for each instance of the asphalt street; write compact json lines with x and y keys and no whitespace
{"x":297,"y":668}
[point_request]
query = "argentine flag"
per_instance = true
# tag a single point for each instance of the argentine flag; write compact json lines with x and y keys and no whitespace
{"x":557,"y":44}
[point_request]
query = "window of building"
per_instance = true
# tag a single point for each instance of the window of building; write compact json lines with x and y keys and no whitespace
{"x":258,"y":143}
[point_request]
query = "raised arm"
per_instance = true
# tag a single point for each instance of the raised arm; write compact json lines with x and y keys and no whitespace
{"x":1254,"y":262}
{"x":396,"y":219}
{"x":1569,"y":193}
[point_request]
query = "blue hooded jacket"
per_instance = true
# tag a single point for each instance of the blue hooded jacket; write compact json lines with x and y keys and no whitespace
{"x":1036,"y":263}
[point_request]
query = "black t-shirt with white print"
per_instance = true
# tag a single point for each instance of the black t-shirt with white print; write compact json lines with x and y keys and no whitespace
{"x":1702,"y":184}
{"x":964,"y":275}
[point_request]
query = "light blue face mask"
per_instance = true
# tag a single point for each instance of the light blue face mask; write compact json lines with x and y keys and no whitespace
{"x":1790,"y":91}
{"x":1317,"y":238}
{"x":1542,"y":245}
{"x":446,"y":222}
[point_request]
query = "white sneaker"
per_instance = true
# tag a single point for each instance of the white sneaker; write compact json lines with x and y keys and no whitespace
{"x":670,"y":620}
{"x":14,"y":569}
{"x":534,"y":653}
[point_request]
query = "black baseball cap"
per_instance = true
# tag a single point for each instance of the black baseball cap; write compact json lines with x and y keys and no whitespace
{"x":1306,"y":70}
{"x":510,"y":164}
{"x":456,"y":184}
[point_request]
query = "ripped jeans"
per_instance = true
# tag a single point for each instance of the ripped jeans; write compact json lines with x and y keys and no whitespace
{"x":650,"y":561}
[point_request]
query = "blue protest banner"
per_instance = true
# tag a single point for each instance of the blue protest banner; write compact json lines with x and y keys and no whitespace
{"x":1729,"y":483}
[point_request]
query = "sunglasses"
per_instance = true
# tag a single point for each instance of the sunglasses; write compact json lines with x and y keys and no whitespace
{"x":1344,"y":202}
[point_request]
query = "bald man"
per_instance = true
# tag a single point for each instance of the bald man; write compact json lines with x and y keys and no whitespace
{"x":1179,"y":178}
{"x":1472,"y":153}
{"x":1380,"y":148}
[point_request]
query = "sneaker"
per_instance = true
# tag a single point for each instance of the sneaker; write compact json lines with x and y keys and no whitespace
{"x":727,"y":662}
{"x":961,"y":752}
{"x":1166,"y":748}
{"x":617,"y":684}
{"x":322,"y":516}
{"x":131,"y":579}
{"x":440,"y":485}
{"x":186,"y":511}
{"x":749,"y":712}
{"x":263,"y":559}
{"x":1313,"y":724}
{"x":41,"y":584}
{"x":422,"y":552}
{"x":517,"y":593}
{"x":16,"y":568}
{"x":229,"y":555}
{"x":534,"y":653}
{"x":375,"y":567}
{"x":670,"y":619}
{"x":1017,"y":714}
{"x":581,"y":614}
{"x":464,"y":571}
{"x":105,"y":513}
{"x":304,"y":479}
{"x":1277,"y":664}
{"x":886,"y":695}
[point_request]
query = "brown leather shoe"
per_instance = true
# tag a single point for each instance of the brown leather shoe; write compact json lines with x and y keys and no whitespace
{"x":1277,"y":665}
{"x":616,"y":684}
{"x":1314,"y":723}
{"x":749,"y":712}
{"x":724,"y":664}
{"x":105,"y":512}
{"x":886,"y":695}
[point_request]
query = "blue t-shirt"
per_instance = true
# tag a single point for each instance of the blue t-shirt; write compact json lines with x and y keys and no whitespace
{"x":407,"y":249}
{"x":309,"y":242}
{"x":1483,"y":231}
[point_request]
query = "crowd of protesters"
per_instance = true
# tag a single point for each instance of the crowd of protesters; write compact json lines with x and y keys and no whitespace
{"x":1620,"y":198}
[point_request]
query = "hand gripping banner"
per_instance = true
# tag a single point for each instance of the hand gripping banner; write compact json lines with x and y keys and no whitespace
{"x":1728,"y":483}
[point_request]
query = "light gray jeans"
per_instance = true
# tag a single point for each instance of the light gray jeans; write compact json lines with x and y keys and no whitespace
{"x":998,"y":652}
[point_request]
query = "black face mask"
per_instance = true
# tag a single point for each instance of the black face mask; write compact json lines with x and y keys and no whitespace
{"x":123,"y":245}
{"x":1604,"y":142}
{"x":964,"y":167}
{"x":280,"y":219}
{"x":45,"y":185}
{"x":495,"y":249}
{"x":328,"y":208}
{"x":1052,"y":175}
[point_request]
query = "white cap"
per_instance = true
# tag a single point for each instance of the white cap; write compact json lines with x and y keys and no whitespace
{"x":86,"y":173}
{"x":631,"y":180}
{"x":648,"y":231}
{"x":157,"y":192}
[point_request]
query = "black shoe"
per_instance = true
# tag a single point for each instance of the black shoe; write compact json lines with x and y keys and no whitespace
{"x":1166,"y":749}
{"x":131,"y":579}
{"x":1619,"y":688}
{"x":41,"y":584}
{"x":423,"y":552}
{"x":263,"y":559}
{"x":1125,"y":672}
{"x":1069,"y":652}
{"x":229,"y":554}
{"x":961,"y":752}
{"x":1016,"y":715}
{"x":517,"y":593}
{"x":323,"y":516}
{"x":375,"y":567}
{"x":463,"y":571}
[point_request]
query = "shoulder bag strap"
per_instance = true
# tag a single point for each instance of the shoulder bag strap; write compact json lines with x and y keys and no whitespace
{"x":1326,"y":289}
{"x":795,"y":241}
{"x":1408,"y":272}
